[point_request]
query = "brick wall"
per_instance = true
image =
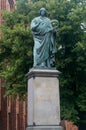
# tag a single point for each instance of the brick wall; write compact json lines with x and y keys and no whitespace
{"x":68,"y":125}
{"x":6,"y":5}
{"x":12,"y":113}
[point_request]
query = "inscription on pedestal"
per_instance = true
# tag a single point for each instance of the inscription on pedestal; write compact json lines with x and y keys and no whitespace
{"x":46,"y":101}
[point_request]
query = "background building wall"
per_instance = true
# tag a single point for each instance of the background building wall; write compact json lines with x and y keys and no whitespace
{"x":12,"y":113}
{"x":6,"y":5}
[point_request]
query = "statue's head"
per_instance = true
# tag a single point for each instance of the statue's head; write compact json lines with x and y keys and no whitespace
{"x":43,"y":12}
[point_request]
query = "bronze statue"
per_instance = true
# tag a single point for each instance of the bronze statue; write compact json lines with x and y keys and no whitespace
{"x":44,"y":36}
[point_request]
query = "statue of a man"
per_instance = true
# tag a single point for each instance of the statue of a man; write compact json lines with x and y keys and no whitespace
{"x":44,"y":37}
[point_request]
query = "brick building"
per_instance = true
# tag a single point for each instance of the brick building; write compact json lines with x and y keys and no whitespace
{"x":12,"y":113}
{"x":6,"y":5}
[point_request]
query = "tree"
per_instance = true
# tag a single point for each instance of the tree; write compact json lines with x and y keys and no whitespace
{"x":15,"y":56}
{"x":16,"y":51}
{"x":71,"y":59}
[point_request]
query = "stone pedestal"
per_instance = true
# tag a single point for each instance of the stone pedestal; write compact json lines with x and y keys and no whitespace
{"x":43,"y":100}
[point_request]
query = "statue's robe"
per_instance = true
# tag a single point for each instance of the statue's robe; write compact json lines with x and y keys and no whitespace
{"x":44,"y":40}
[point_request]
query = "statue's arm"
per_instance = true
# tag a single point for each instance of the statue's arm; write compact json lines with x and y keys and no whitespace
{"x":34,"y":25}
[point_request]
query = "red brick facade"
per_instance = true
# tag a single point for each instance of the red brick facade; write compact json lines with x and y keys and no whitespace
{"x":6,"y":5}
{"x":68,"y":125}
{"x":12,"y":113}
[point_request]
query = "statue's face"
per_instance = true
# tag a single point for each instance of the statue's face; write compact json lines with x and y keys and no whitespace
{"x":43,"y":13}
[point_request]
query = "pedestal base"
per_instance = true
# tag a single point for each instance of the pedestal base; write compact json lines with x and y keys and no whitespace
{"x":44,"y":128}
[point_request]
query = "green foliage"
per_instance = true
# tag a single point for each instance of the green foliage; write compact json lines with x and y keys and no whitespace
{"x":16,"y":51}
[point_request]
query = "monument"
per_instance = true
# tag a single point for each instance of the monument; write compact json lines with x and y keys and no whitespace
{"x":43,"y":84}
